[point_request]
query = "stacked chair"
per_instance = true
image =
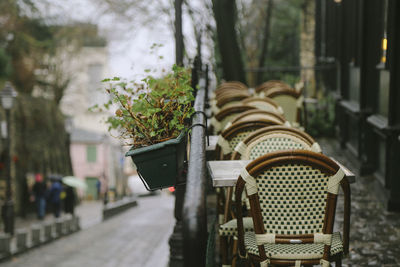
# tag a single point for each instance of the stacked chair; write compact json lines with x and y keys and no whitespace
{"x":282,"y":209}
{"x":290,"y":99}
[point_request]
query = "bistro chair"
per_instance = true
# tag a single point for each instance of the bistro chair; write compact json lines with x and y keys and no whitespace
{"x":274,"y":138}
{"x":291,"y":102}
{"x":233,"y":84}
{"x":228,"y":87}
{"x":227,"y":114}
{"x":227,"y":141}
{"x":256,"y":114}
{"x":226,"y":90}
{"x":263,"y":103}
{"x":258,"y":143}
{"x":231,"y":136}
{"x":227,"y":99}
{"x":293,"y":197}
{"x":270,"y":85}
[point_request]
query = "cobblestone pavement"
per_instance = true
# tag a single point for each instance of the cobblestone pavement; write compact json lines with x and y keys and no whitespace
{"x":137,"y":237}
{"x":374,"y":232}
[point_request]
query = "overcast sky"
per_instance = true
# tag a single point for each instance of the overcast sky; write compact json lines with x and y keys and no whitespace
{"x":128,"y":41}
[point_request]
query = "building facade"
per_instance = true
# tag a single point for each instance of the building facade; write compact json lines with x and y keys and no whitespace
{"x":96,"y":157}
{"x":362,"y":37}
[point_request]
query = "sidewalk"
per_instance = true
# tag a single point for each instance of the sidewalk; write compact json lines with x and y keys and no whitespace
{"x":89,"y":212}
{"x":136,"y":237}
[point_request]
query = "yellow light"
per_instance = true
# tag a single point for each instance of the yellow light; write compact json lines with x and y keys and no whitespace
{"x":384,"y":43}
{"x":383,"y":59}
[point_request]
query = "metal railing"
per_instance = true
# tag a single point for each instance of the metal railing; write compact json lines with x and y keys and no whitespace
{"x":194,"y":219}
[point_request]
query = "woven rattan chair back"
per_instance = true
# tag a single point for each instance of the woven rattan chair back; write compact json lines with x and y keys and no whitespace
{"x":258,"y":114}
{"x":226,"y":115}
{"x":274,"y":138}
{"x":293,"y":199}
{"x":231,"y":136}
{"x":290,"y":101}
{"x":263,"y":103}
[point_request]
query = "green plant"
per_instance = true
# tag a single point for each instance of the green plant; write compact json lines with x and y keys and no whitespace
{"x":153,"y":111}
{"x":321,"y":117}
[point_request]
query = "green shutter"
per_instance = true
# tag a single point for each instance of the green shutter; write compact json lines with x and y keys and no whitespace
{"x":91,"y":153}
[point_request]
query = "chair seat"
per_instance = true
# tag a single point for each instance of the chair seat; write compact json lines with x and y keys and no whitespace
{"x":230,"y":228}
{"x":293,"y":251}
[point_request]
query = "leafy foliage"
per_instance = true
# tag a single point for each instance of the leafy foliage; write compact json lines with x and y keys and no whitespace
{"x":321,"y":117}
{"x":154,"y":111}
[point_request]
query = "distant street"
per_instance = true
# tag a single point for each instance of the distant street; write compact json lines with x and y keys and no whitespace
{"x":137,"y":237}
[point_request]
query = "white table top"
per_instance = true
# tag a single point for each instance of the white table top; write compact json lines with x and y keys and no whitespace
{"x":225,"y":173}
{"x":213,"y":142}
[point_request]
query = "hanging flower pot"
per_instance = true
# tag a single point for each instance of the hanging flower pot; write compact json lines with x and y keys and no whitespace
{"x":152,"y":117}
{"x":160,"y":165}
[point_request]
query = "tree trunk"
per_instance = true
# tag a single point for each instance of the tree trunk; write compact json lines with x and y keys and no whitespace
{"x":265,"y":41}
{"x":225,"y":18}
{"x":179,"y":45}
{"x":307,"y":37}
{"x":38,"y":145}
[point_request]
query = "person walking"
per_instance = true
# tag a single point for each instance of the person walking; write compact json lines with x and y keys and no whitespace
{"x":39,"y":190}
{"x":69,"y":201}
{"x":54,"y":196}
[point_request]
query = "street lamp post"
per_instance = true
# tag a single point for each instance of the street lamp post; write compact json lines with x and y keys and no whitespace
{"x":69,"y":126}
{"x":7,"y":96}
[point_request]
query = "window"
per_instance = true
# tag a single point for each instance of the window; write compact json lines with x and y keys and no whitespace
{"x":91,"y":153}
{"x":383,"y":101}
{"x":95,"y":73}
{"x":354,"y":88}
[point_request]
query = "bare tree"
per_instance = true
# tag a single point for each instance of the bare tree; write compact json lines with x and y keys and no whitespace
{"x":231,"y":57}
{"x":265,"y":39}
{"x":307,"y":53}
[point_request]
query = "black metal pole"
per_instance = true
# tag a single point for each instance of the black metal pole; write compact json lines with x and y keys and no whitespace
{"x":8,"y":208}
{"x":176,"y":239}
{"x":69,"y":170}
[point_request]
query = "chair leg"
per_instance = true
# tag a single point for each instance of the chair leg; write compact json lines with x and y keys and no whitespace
{"x":234,"y":252}
{"x":224,"y":250}
{"x":338,"y":263}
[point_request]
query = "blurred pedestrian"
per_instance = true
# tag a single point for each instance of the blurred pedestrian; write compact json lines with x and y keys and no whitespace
{"x":55,"y":196}
{"x":98,"y":187}
{"x":69,"y":204}
{"x":39,"y":192}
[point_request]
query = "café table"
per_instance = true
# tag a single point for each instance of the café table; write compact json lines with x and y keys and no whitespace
{"x":224,"y":173}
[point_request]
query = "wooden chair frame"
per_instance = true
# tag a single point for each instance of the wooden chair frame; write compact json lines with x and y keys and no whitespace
{"x":270,"y":85}
{"x":252,"y":100}
{"x":275,"y":129}
{"x":221,"y":92}
{"x":229,"y":97}
{"x":237,"y":128}
{"x":231,"y":110}
{"x":233,"y":84}
{"x":253,"y":112}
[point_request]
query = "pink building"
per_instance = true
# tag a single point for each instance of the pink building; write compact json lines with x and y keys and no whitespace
{"x":98,"y":162}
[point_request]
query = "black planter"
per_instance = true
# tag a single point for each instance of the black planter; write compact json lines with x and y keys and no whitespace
{"x":160,"y":165}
